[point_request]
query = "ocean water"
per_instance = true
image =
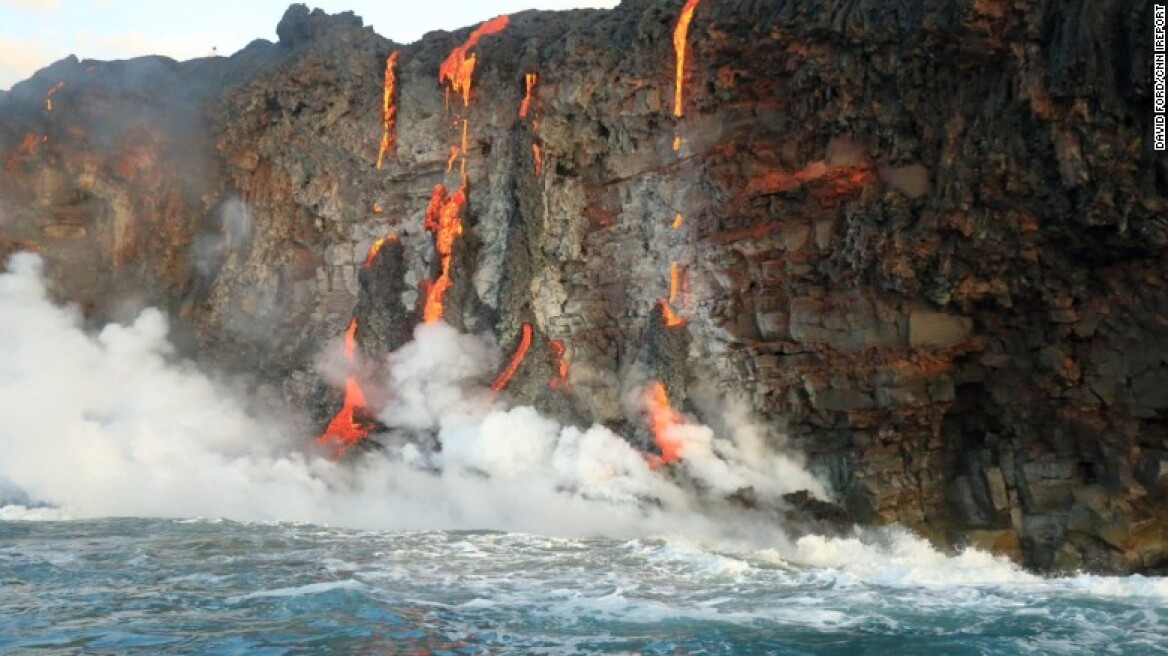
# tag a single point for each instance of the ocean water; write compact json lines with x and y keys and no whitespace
{"x":152,"y":586}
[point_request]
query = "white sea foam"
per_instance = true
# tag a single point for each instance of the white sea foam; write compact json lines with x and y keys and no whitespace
{"x":301,"y":590}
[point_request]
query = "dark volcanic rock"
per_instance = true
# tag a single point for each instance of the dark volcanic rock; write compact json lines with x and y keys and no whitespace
{"x":927,"y":239}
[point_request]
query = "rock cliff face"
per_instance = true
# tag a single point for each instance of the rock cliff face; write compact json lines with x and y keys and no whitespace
{"x":926,"y":242}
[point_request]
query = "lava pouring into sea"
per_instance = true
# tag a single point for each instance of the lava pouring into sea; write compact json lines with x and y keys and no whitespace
{"x":529,"y":81}
{"x":346,"y":429}
{"x":560,"y":365}
{"x":663,"y":420}
{"x":680,"y":34}
{"x":443,"y":214}
{"x":671,"y":318}
{"x":516,"y":359}
{"x":387,"y":109}
{"x":458,"y":68}
{"x":442,"y":219}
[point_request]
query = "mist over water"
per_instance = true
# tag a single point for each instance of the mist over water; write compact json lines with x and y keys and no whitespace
{"x":112,"y":424}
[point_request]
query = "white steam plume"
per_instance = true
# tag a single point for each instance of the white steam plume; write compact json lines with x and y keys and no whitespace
{"x":111,"y":424}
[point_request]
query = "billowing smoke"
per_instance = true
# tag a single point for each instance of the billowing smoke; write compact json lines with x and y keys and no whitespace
{"x":114,"y":424}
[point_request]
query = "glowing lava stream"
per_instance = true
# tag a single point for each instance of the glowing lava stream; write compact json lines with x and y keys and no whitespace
{"x":458,"y":68}
{"x":442,"y":219}
{"x":529,"y":79}
{"x":373,"y":250}
{"x":49,"y":96}
{"x":537,"y":157}
{"x":663,"y":420}
{"x":387,"y":108}
{"x":442,"y":214}
{"x":345,"y":430}
{"x":561,"y":365}
{"x":680,"y":33}
{"x":671,"y":318}
{"x":516,"y":359}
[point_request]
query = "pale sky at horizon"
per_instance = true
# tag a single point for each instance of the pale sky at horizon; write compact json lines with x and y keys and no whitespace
{"x":36,"y":33}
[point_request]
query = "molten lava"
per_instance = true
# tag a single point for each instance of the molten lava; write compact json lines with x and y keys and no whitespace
{"x":663,"y":420}
{"x":458,"y":68}
{"x":387,"y":108}
{"x":442,"y":219}
{"x":680,"y":33}
{"x":516,"y":359}
{"x":374,"y":249}
{"x":672,"y":319}
{"x":530,"y":80}
{"x":346,"y":429}
{"x":537,"y":157}
{"x":49,"y":96}
{"x":677,"y":221}
{"x":560,"y":363}
{"x":351,"y":339}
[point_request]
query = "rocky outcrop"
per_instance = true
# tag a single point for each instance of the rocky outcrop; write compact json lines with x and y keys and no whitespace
{"x":925,"y":240}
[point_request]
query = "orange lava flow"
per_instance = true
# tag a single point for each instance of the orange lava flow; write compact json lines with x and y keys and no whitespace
{"x":537,"y":156}
{"x":663,"y":419}
{"x":457,"y":69}
{"x":387,"y":108}
{"x":530,"y":80}
{"x":345,"y":429}
{"x":351,"y":339}
{"x":375,"y":248}
{"x":516,"y":359}
{"x":672,"y":319}
{"x":442,"y":218}
{"x":677,"y":221}
{"x":680,"y":33}
{"x":561,"y":365}
{"x":49,"y":96}
{"x":450,"y":160}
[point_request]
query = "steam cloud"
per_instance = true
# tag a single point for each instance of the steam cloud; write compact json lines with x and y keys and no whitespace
{"x":114,"y":424}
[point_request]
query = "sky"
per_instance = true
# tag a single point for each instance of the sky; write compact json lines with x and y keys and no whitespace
{"x":36,"y":33}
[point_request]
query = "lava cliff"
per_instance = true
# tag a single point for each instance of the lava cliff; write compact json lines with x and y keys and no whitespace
{"x":925,"y":240}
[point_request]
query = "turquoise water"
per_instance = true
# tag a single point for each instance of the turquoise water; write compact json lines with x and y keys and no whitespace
{"x":218,"y":587}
